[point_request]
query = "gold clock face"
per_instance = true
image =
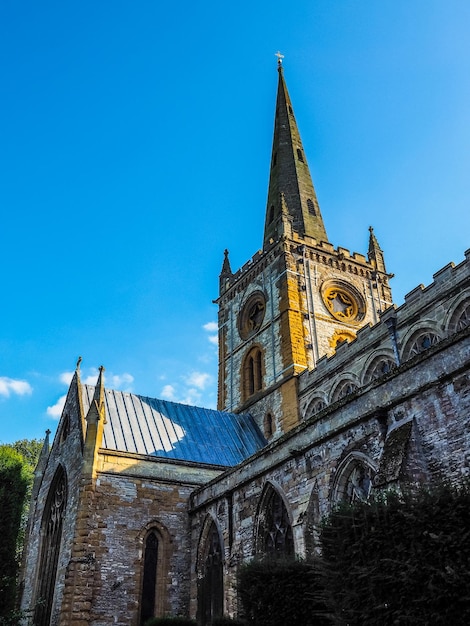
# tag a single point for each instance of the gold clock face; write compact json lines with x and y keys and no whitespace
{"x":343,"y":301}
{"x":252,"y":315}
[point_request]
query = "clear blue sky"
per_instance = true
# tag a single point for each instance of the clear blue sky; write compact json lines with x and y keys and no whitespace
{"x":135,"y":141}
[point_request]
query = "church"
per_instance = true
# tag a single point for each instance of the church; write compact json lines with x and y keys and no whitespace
{"x":327,"y":392}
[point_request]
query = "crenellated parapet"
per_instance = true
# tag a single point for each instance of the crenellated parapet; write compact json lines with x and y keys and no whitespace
{"x":429,"y":316}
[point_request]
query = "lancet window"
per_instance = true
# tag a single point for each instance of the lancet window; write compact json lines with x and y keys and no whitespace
{"x":51,"y":536}
{"x":149,"y":582}
{"x":211,"y":589}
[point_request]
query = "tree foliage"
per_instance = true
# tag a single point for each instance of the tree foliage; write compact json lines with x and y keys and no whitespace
{"x":14,"y":480}
{"x":400,"y":559}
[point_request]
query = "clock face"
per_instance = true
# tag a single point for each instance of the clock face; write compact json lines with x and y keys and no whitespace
{"x":343,"y":301}
{"x":252,"y":315}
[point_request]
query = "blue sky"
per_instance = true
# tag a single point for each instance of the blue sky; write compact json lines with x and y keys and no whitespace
{"x":135,"y":146}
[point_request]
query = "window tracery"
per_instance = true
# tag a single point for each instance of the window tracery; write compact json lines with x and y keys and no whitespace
{"x":275,"y":537}
{"x":423,"y":342}
{"x":51,"y":537}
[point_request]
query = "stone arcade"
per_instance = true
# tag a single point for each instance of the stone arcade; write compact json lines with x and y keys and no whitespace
{"x":326,"y":391}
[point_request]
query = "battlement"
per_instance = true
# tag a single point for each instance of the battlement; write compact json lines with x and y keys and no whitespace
{"x":434,"y":304}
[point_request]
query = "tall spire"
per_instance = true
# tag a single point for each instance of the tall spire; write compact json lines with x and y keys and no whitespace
{"x":290,"y":176}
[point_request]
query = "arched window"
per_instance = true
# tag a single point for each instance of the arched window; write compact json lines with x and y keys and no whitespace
{"x":275,"y":536}
{"x":345,"y":388}
{"x":149,"y":582}
{"x":268,"y":425}
{"x":300,"y":156}
{"x":253,"y":372}
{"x":353,"y":478}
{"x":211,"y":584}
{"x":381,"y":366}
{"x":316,"y":405}
{"x":422,"y":342}
{"x":51,"y":536}
{"x":460,"y":317}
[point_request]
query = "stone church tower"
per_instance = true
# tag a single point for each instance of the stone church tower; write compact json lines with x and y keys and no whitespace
{"x":297,"y":298}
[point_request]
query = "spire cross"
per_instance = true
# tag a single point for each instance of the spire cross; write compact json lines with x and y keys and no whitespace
{"x":279,"y":57}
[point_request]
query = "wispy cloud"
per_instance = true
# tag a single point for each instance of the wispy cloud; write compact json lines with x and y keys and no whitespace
{"x":212,"y":327}
{"x":10,"y":386}
{"x":55,"y":411}
{"x":121,"y":382}
{"x":188,"y":389}
{"x":168,"y":393}
{"x":200,"y":380}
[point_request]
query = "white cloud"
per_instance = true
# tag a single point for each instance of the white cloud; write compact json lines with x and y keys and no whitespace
{"x":211,"y":327}
{"x":66,"y":377}
{"x":198,"y":379}
{"x":18,"y":387}
{"x":122,"y":382}
{"x":56,"y":409}
{"x":168,"y":392}
{"x":214,"y":339}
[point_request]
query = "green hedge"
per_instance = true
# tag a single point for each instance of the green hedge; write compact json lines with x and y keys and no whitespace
{"x":280,"y":593}
{"x":401,"y":559}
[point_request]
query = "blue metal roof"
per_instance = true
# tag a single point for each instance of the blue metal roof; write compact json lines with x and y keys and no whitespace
{"x":176,"y":431}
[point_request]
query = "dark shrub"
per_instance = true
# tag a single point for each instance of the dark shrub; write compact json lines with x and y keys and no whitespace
{"x":280,"y":593}
{"x":401,"y":559}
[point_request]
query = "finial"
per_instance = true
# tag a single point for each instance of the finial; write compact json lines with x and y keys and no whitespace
{"x":371,"y":230}
{"x":48,"y":432}
{"x":101,"y":369}
{"x":279,"y":58}
{"x":78,"y":363}
{"x":226,"y":253}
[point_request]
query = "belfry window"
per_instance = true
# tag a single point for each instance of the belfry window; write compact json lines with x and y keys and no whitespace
{"x":311,"y":207}
{"x":149,"y":584}
{"x":51,"y":536}
{"x":253,"y":372}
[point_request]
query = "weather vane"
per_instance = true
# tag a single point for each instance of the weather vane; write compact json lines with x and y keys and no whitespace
{"x":279,"y":57}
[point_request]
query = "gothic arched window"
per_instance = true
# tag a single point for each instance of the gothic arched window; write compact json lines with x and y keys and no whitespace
{"x":275,"y":536}
{"x":422,"y":342}
{"x":211,"y":586}
{"x":51,"y":535}
{"x":149,"y":583}
{"x":253,"y":372}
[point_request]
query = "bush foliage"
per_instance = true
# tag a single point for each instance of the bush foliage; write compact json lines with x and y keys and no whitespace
{"x":401,"y":559}
{"x":276,"y":593}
